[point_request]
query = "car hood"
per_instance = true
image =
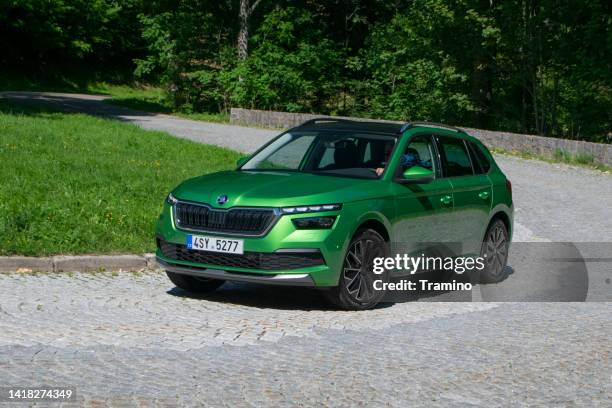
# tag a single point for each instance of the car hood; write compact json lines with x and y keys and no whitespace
{"x":275,"y":189}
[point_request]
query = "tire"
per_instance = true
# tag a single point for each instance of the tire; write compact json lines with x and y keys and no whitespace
{"x":495,"y":250}
{"x":194,"y":284}
{"x":355,"y":289}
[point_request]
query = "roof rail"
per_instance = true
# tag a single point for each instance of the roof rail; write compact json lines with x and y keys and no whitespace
{"x":409,"y":125}
{"x":322,"y":120}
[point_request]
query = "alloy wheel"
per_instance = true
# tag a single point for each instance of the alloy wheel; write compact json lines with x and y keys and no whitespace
{"x":496,"y":250}
{"x":358,"y":272}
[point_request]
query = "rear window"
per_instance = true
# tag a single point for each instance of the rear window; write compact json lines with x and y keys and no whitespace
{"x":481,"y":162}
{"x":455,"y":157}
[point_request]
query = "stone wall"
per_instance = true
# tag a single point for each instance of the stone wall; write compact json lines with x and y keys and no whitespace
{"x":514,"y":142}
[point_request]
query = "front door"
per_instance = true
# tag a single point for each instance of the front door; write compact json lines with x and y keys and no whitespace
{"x":423,"y":211}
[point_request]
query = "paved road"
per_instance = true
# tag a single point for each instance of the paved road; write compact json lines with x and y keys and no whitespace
{"x":243,"y":139}
{"x":132,"y":339}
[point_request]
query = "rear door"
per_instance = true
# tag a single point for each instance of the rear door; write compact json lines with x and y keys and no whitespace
{"x":471,"y":189}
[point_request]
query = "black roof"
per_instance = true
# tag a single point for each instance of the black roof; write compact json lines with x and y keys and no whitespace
{"x":372,"y":126}
{"x":346,"y":124}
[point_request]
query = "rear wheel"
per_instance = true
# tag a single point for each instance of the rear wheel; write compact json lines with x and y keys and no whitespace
{"x":495,"y":251}
{"x":193,"y":283}
{"x":355,"y":290}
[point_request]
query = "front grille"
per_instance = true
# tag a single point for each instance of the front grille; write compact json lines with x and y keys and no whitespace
{"x":243,"y":221}
{"x":267,"y":261}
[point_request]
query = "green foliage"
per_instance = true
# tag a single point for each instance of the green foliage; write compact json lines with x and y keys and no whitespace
{"x":292,"y":65}
{"x":553,"y":61}
{"x":135,"y":96}
{"x":78,"y":184}
{"x":526,"y":66}
{"x":411,"y":76}
{"x":578,"y":158}
{"x":560,"y":156}
{"x":187,"y":45}
{"x":41,"y":32}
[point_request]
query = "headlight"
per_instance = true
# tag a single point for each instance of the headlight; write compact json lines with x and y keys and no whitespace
{"x":311,"y":208}
{"x":171,"y":199}
{"x":314,"y":222}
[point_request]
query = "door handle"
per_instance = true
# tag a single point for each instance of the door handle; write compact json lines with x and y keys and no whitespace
{"x":446,"y":200}
{"x":484,"y":195}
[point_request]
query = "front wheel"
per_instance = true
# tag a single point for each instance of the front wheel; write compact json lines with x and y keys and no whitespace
{"x":495,"y":251}
{"x":193,"y":283}
{"x":355,"y":290}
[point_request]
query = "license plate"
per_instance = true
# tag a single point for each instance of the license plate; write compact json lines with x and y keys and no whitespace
{"x":213,"y":244}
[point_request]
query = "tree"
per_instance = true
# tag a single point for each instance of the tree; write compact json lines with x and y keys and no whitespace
{"x":532,"y":66}
{"x":414,"y":67}
{"x":39,"y":34}
{"x":292,"y":65}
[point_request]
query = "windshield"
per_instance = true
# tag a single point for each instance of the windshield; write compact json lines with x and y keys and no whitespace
{"x":347,"y":154}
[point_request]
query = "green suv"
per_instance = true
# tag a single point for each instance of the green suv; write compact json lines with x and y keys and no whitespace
{"x":317,"y":204}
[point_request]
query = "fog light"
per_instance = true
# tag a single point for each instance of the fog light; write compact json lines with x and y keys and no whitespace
{"x":314,"y":222}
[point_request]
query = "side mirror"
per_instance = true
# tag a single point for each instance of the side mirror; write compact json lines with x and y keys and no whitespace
{"x":241,"y":161}
{"x":417,"y":175}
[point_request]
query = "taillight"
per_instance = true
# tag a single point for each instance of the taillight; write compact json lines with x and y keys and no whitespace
{"x":509,"y":186}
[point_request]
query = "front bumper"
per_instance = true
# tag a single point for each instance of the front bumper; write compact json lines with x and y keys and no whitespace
{"x":288,"y":279}
{"x":274,"y":266}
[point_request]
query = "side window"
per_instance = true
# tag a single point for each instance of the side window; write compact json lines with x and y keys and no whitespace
{"x":455,"y":158}
{"x":479,"y":159}
{"x":327,"y":159}
{"x":420,"y":151}
{"x":367,"y":154}
{"x":376,"y":152}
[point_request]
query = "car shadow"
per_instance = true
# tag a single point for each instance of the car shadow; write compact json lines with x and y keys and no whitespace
{"x":262,"y":296}
{"x":309,"y":299}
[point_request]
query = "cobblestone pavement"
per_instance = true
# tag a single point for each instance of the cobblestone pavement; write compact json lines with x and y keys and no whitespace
{"x":133,"y":339}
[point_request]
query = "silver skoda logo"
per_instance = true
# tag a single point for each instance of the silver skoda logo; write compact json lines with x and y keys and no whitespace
{"x":222,"y":199}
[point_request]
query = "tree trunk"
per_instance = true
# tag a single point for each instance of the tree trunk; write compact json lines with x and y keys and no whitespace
{"x":243,"y":34}
{"x":553,"y":126}
{"x":246,"y":9}
{"x":534,"y":96}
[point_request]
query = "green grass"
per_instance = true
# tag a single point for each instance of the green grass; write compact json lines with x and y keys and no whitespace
{"x":584,"y":159}
{"x":51,"y":82}
{"x":134,"y":95}
{"x":560,"y":156}
{"x":149,"y":98}
{"x":73,"y":184}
